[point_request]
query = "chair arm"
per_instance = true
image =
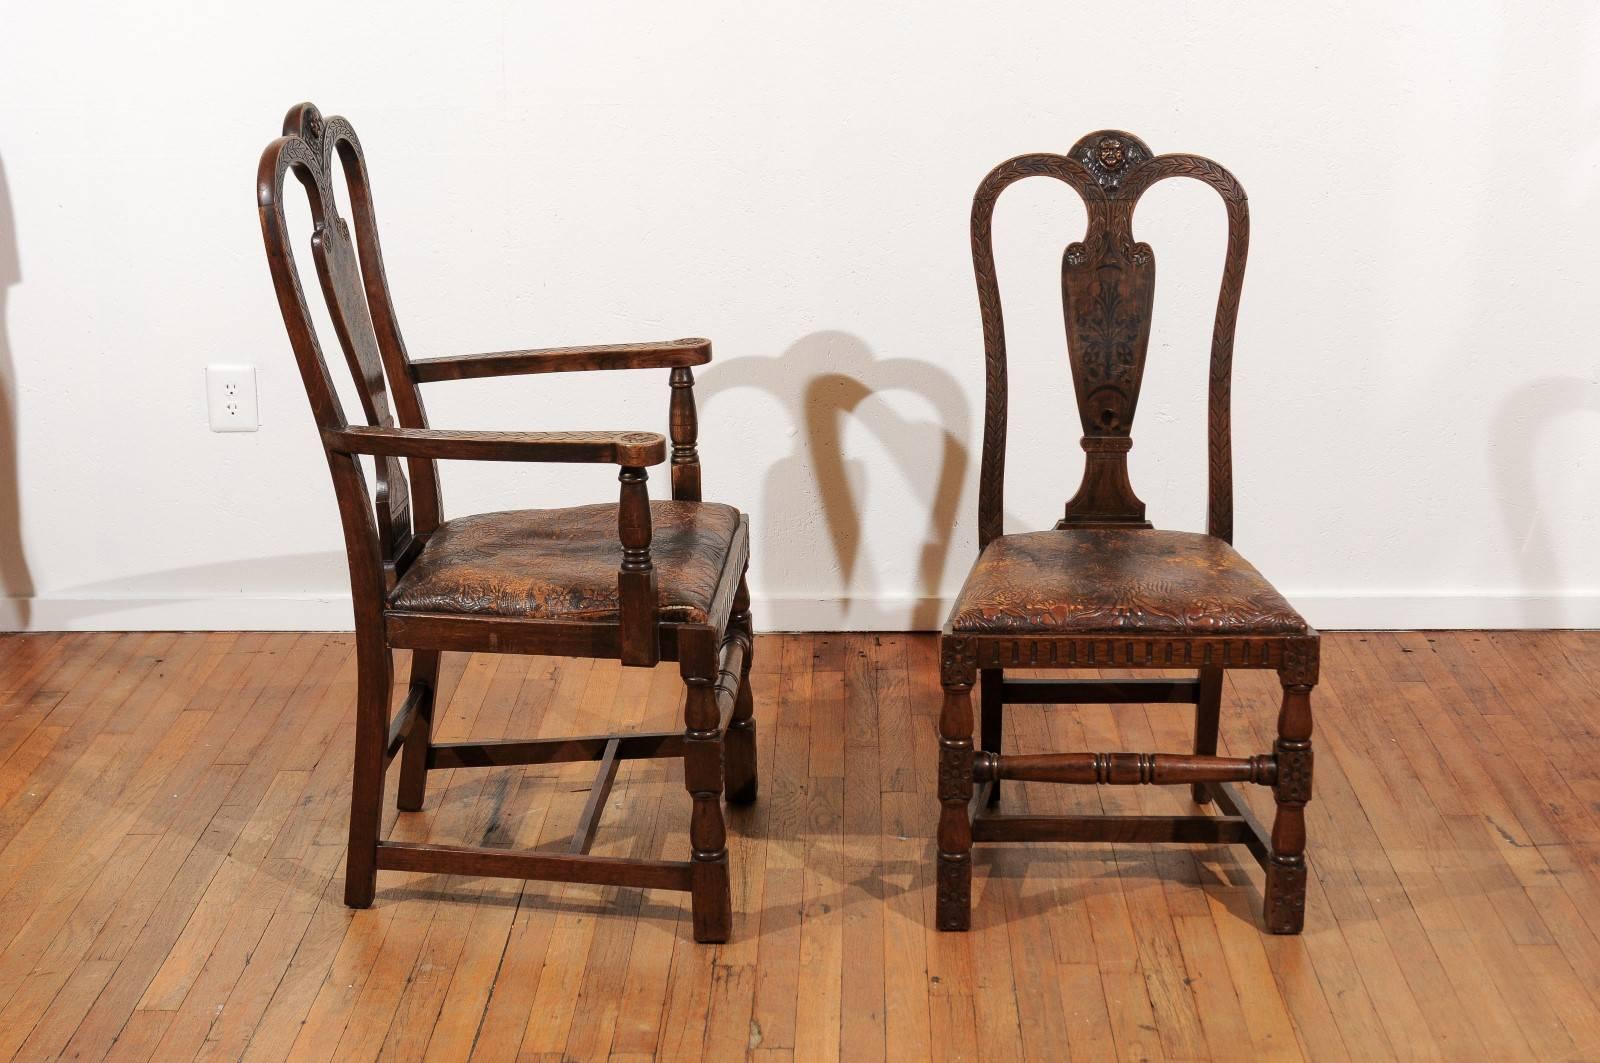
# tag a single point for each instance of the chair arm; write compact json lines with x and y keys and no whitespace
{"x":628,"y":449}
{"x":669,"y":354}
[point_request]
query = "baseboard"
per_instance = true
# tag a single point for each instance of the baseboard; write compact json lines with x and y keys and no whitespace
{"x":243,"y":612}
{"x":284,"y":612}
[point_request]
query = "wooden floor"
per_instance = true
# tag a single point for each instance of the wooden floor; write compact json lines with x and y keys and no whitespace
{"x":172,"y":822}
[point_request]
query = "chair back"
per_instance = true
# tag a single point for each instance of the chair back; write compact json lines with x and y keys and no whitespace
{"x":1107,"y":291}
{"x":381,"y":534}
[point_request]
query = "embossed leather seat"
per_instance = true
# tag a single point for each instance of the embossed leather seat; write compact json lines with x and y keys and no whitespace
{"x":1112,"y":580}
{"x":562,"y":563}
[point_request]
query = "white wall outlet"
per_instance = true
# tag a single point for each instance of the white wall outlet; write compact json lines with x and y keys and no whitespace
{"x":231,"y":398}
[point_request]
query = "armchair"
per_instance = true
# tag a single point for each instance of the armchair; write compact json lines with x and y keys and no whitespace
{"x":639,"y":581}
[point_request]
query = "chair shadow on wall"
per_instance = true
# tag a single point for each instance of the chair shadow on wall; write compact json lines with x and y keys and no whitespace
{"x":1514,"y":436}
{"x":16,"y":580}
{"x":823,"y":380}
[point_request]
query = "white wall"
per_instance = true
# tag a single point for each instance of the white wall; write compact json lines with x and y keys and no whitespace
{"x":1417,"y":397}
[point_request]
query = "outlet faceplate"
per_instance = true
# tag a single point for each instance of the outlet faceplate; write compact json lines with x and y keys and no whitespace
{"x":231,"y":398}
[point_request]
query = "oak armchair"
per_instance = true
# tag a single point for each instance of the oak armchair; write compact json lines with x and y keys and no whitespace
{"x":637,"y":580}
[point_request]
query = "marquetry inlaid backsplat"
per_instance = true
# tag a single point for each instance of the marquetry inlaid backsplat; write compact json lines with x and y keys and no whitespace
{"x":1107,"y":292}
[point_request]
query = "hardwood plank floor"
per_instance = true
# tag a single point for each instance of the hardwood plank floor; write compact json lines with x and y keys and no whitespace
{"x":172,"y":818}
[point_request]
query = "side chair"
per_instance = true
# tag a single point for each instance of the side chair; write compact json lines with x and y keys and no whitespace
{"x":1103,"y":588}
{"x":640,"y":581}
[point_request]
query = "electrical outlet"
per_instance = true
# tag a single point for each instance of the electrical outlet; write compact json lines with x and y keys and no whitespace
{"x":231,"y":398}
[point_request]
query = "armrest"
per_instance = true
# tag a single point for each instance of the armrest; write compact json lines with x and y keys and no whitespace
{"x":669,"y":354}
{"x":628,"y":449}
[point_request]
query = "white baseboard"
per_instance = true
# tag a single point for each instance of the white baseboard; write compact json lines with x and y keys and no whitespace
{"x":254,"y":612}
{"x":264,"y":612}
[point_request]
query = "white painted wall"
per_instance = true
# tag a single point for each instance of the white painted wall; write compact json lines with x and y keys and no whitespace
{"x":1417,"y":398}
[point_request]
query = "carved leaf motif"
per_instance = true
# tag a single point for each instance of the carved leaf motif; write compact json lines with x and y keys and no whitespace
{"x":1110,"y":331}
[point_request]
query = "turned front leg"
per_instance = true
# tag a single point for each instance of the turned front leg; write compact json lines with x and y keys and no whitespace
{"x":710,"y":895}
{"x":1286,"y":867}
{"x":954,"y":894}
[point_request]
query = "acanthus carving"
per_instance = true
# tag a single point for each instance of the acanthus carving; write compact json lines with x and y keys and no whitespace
{"x":1109,"y":323}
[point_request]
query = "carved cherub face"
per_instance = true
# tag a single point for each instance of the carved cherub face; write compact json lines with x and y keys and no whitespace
{"x":1110,"y":153}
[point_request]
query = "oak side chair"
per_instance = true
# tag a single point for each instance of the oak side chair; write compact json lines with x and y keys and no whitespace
{"x":1103,"y":589}
{"x":641,"y":581}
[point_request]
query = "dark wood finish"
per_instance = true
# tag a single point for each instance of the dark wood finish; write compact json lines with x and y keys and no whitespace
{"x":604,"y":779}
{"x":551,"y":867}
{"x":609,"y":448}
{"x":388,"y":530}
{"x":673,"y":354}
{"x":684,"y":422}
{"x":1207,"y":722}
{"x":740,"y":745}
{"x":1103,"y":588}
{"x":1203,"y":830}
{"x":1125,"y":769}
{"x":991,"y":720}
{"x":638,"y":745}
{"x":1100,"y":692}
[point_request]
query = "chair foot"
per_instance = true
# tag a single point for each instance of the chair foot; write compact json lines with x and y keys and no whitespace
{"x":1201,"y":793}
{"x":954,"y":903}
{"x":1286,"y":895}
{"x":361,"y":880}
{"x":711,"y":900}
{"x":740,"y":764}
{"x":374,"y":681}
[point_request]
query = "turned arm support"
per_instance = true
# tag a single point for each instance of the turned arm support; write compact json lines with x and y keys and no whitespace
{"x":667,"y":354}
{"x":637,"y":595}
{"x":683,"y":423}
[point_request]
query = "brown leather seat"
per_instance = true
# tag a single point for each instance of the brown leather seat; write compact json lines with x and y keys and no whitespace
{"x":548,"y":564}
{"x":1110,"y":581}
